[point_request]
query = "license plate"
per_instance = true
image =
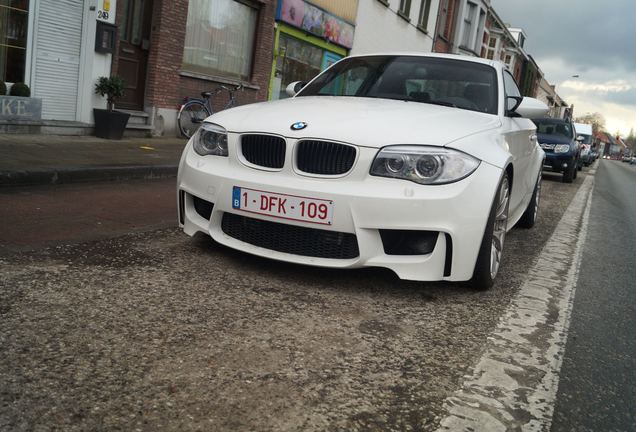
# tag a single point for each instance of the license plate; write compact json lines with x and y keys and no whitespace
{"x":283,"y":206}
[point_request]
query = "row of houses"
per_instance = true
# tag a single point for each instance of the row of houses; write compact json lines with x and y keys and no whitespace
{"x":166,"y":50}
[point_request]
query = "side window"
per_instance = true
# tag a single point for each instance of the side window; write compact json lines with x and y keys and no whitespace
{"x":511,"y":89}
{"x":510,"y":85}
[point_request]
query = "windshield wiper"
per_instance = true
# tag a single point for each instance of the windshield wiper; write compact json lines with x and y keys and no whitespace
{"x":442,"y":103}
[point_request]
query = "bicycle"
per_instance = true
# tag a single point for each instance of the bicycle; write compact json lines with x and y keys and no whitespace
{"x":194,"y":111}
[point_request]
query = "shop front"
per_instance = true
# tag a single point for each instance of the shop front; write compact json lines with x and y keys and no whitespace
{"x":308,"y":40}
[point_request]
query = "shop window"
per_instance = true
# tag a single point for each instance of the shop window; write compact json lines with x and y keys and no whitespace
{"x":297,"y":61}
{"x":220,"y":38}
{"x":14,"y":29}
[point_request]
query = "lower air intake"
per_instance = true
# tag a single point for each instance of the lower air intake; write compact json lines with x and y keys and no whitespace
{"x":291,"y":239}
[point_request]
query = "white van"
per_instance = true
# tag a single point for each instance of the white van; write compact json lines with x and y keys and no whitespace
{"x":584,"y":136}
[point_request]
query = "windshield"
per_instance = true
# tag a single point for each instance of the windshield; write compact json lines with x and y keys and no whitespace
{"x":587,"y":139}
{"x":554,"y":127}
{"x":454,"y":83}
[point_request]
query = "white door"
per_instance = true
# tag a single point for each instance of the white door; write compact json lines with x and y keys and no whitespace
{"x":57,"y":44}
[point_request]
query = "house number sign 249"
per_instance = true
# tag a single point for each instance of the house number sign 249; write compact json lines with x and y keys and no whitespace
{"x":106,"y":10}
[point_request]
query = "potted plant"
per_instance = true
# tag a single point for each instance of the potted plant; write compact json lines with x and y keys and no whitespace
{"x":20,"y":90}
{"x":110,"y":124}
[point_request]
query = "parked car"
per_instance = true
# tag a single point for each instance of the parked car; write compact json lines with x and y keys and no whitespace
{"x":392,"y":161}
{"x":633,"y":161}
{"x":586,"y":139}
{"x":558,"y":141}
{"x":627,"y":158}
{"x":594,"y":155}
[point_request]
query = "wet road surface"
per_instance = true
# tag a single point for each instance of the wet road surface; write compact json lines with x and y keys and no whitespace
{"x":155,"y":330}
{"x":596,"y":387}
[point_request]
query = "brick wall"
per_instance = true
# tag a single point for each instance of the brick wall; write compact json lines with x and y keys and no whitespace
{"x":166,"y":86}
{"x":443,"y":42}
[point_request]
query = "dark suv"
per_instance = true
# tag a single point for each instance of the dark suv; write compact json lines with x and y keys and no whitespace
{"x":557,"y":139}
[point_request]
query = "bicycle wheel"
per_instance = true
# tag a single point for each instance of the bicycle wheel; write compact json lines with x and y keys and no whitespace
{"x":191,"y":116}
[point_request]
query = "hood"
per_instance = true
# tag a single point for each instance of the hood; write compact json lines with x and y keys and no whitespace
{"x":553,"y":139}
{"x":362,"y":121}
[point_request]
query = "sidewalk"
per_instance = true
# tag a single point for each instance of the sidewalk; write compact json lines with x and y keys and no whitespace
{"x":51,"y":159}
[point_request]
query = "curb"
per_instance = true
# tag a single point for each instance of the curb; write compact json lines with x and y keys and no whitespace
{"x":64,"y":175}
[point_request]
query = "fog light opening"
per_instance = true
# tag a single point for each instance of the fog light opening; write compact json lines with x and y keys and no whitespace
{"x":408,"y":242}
{"x":202,"y":207}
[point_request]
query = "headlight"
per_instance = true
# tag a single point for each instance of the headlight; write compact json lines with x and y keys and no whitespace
{"x":562,"y":148}
{"x":424,"y":165}
{"x":210,"y":139}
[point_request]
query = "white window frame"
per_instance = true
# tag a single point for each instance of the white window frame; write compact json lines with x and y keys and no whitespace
{"x":405,"y":7}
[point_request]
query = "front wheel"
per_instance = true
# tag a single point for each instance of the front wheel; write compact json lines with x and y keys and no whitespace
{"x":191,"y":116}
{"x":491,"y":249}
{"x":569,"y":173}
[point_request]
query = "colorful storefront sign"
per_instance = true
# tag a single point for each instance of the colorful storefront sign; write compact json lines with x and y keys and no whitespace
{"x":316,"y":21}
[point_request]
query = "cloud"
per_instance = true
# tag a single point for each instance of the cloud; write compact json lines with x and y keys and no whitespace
{"x":618,"y":86}
{"x":582,"y":33}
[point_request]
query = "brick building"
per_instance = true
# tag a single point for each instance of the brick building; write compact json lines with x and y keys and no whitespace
{"x":164,"y":49}
{"x":445,"y":29}
{"x":170,"y":49}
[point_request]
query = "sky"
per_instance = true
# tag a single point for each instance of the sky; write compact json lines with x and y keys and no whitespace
{"x":594,"y":39}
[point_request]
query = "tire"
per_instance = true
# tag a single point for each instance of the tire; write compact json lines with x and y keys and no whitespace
{"x":568,"y":174}
{"x":576,"y":173}
{"x":191,"y":116}
{"x":491,"y":249}
{"x":529,"y":217}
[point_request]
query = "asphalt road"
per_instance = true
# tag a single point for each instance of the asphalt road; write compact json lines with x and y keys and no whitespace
{"x":596,"y":387}
{"x":158,"y":331}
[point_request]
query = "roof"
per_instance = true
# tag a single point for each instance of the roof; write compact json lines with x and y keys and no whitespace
{"x":601,"y":136}
{"x":434,"y":55}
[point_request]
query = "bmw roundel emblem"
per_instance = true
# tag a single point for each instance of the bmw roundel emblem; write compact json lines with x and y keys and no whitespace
{"x":298,"y":126}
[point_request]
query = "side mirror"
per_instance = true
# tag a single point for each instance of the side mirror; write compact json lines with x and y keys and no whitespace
{"x":580,"y":138}
{"x":293,"y":88}
{"x":531,"y":108}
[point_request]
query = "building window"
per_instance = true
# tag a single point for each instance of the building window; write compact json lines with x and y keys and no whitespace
{"x":425,"y":8}
{"x":469,"y":20}
{"x":492,"y":47}
{"x":480,"y":40}
{"x":405,"y":7}
{"x":220,"y":38}
{"x":14,"y":30}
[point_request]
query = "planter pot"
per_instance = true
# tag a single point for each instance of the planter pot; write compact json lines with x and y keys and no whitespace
{"x":110,"y":124}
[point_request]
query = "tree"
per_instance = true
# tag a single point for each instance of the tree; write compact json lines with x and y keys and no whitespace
{"x":595,"y":119}
{"x":631,"y":140}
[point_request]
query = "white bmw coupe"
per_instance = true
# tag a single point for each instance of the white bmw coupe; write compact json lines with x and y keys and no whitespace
{"x":417,"y":163}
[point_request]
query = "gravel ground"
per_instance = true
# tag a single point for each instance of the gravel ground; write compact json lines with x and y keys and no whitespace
{"x":159,"y":331}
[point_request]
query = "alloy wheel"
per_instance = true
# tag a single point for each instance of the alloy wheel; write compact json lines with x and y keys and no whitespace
{"x":500,"y":226}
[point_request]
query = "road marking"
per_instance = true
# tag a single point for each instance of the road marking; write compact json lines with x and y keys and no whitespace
{"x":514,"y":384}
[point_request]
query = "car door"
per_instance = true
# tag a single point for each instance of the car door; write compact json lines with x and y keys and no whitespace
{"x":520,"y":135}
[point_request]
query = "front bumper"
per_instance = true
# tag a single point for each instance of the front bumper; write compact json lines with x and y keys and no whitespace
{"x":558,"y":162}
{"x":363,"y":205}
